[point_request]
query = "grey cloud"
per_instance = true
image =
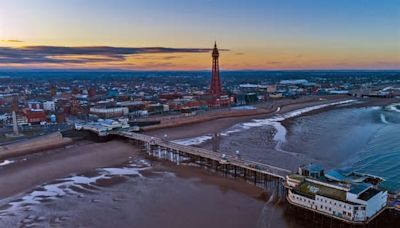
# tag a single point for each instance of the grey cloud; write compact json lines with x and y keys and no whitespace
{"x":89,"y":54}
{"x":12,"y":41}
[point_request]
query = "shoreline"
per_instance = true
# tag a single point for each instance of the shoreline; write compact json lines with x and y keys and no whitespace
{"x":220,"y":124}
{"x":266,"y":143}
{"x":263,"y":108}
{"x":363,"y":103}
{"x":34,"y":145}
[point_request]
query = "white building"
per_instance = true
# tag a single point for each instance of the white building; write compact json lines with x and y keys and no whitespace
{"x":34,"y":105}
{"x":102,"y":127}
{"x":351,"y":199}
{"x":49,"y":106}
{"x":253,"y":86}
{"x":110,"y":112}
{"x":293,"y":82}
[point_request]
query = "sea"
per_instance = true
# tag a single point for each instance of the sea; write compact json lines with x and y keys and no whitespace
{"x":365,"y":140}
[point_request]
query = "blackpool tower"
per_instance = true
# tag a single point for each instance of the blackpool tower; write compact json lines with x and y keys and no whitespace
{"x":215,"y":86}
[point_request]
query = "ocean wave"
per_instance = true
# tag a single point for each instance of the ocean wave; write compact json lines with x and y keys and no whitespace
{"x":375,"y":108}
{"x":274,"y":121}
{"x":280,"y":134}
{"x":193,"y":141}
{"x":383,"y":119}
{"x":393,"y":107}
{"x":6,"y":162}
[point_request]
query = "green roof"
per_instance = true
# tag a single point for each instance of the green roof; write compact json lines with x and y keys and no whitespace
{"x":313,"y":189}
{"x":297,"y":177}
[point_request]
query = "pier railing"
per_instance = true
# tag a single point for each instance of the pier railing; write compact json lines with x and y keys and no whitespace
{"x":208,"y":154}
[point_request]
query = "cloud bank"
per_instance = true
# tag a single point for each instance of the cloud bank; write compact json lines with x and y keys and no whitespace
{"x":81,"y":55}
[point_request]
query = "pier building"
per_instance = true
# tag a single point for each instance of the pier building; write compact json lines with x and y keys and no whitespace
{"x":348,"y":196}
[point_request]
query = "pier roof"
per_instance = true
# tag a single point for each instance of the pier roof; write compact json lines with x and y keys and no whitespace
{"x":312,"y":167}
{"x":335,"y":175}
{"x":368,"y":194}
{"x":359,"y":188}
{"x":311,"y":188}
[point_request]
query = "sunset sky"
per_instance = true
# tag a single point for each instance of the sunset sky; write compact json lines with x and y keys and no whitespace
{"x":177,"y":34}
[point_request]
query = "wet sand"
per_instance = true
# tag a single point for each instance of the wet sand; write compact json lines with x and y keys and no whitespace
{"x":164,"y":195}
{"x":34,"y":170}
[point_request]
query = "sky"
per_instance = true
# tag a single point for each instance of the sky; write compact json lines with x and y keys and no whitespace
{"x":178,"y":34}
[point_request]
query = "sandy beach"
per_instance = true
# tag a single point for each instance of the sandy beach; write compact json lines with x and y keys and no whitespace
{"x":30,"y":171}
{"x":38,"y":194}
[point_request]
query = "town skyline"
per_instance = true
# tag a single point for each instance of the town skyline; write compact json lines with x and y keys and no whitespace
{"x":179,"y":35}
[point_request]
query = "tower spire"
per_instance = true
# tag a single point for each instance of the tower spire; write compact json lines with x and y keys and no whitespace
{"x":215,"y":86}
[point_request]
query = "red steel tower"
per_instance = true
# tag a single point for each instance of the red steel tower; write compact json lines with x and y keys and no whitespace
{"x":215,"y":86}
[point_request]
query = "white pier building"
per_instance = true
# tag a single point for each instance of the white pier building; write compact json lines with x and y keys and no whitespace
{"x":347,"y":196}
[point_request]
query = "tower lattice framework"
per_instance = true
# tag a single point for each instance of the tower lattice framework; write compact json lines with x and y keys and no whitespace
{"x":215,"y":85}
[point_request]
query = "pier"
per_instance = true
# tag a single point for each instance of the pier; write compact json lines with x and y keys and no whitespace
{"x":270,"y":178}
{"x":265,"y":176}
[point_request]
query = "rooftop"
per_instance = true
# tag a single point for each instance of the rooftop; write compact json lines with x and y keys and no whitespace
{"x":359,"y":188}
{"x":310,"y":188}
{"x":297,"y":177}
{"x":335,"y":175}
{"x":349,"y":176}
{"x":368,"y":194}
{"x":313,"y":167}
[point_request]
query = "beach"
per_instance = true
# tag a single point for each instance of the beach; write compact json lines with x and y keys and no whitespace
{"x":111,"y":184}
{"x":30,"y":171}
{"x":114,"y":184}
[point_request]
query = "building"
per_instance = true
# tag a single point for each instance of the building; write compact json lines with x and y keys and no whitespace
{"x":53,"y":91}
{"x":34,"y":105}
{"x":109,"y":112}
{"x":348,"y":196}
{"x":293,"y":82}
{"x":102,"y":127}
{"x":49,"y":106}
{"x":92,"y":92}
{"x":35,"y":116}
{"x":247,"y":98}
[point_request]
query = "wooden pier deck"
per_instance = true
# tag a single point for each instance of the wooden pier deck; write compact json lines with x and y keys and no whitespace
{"x":266,"y":176}
{"x":195,"y":151}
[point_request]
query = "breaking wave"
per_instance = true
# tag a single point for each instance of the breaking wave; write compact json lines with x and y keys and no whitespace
{"x":275,"y":121}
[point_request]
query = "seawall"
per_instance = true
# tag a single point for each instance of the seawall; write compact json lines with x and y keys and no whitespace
{"x":34,"y":145}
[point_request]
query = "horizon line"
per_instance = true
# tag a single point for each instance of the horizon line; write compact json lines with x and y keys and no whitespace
{"x":181,"y":70}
